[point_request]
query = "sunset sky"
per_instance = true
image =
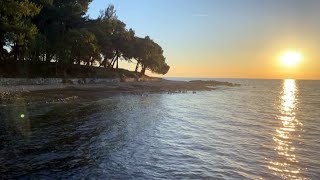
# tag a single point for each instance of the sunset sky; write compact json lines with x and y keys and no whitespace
{"x":227,"y":39}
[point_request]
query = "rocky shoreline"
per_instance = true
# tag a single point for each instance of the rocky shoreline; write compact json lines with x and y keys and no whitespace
{"x":11,"y":85}
{"x":108,"y":86}
{"x":74,"y":81}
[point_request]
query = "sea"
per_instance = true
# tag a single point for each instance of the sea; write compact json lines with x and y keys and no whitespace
{"x":263,"y":129}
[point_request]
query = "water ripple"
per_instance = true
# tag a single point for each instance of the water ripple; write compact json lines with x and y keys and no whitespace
{"x":264,"y":129}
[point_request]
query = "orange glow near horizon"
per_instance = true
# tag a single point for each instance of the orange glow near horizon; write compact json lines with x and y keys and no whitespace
{"x":270,"y":66}
{"x":275,"y":71}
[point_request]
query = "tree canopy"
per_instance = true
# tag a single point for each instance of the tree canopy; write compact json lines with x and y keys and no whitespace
{"x":57,"y":31}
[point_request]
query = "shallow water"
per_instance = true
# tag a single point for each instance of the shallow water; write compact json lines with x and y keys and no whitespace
{"x":262,"y":129}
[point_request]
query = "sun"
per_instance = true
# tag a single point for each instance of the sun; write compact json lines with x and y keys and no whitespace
{"x":290,"y":58}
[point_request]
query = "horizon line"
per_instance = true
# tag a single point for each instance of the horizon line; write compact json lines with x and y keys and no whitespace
{"x":241,"y":78}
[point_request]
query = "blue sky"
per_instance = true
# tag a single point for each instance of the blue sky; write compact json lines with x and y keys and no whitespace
{"x":223,"y":34}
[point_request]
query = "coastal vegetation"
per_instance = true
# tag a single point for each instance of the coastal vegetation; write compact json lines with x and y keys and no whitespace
{"x":54,"y":38}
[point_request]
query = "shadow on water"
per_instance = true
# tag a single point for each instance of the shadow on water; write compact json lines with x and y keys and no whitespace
{"x":46,"y":137}
{"x":72,"y":139}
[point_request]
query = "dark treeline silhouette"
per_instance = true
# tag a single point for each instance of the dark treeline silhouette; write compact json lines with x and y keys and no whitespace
{"x":58,"y":32}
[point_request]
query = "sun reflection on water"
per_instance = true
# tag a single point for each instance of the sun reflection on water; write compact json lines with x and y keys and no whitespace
{"x":286,"y":165}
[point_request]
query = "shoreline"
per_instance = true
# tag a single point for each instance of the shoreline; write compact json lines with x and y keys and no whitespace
{"x":147,"y":85}
{"x":113,"y":87}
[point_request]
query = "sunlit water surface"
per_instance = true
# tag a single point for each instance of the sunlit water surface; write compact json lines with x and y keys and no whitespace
{"x":264,"y":129}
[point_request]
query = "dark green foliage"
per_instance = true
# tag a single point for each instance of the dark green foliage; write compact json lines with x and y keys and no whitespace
{"x":16,"y":28}
{"x":82,"y":47}
{"x":150,"y":56}
{"x":32,"y":69}
{"x":57,"y":31}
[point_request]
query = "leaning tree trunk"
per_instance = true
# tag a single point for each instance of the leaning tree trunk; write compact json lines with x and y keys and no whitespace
{"x":111,"y":64}
{"x":116,"y":60}
{"x":49,"y":57}
{"x":103,"y":63}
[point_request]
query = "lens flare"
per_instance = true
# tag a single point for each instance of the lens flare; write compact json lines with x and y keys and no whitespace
{"x":22,"y":115}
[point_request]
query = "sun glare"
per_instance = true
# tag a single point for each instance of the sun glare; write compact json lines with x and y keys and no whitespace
{"x":290,"y":58}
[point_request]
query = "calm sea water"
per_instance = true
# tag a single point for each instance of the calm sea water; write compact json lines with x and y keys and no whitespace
{"x":268,"y":129}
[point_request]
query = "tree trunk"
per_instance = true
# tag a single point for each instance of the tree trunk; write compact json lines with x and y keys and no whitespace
{"x":137,"y":66}
{"x":92,"y":61}
{"x":88,"y":62}
{"x":112,"y":62}
{"x":117,"y":62}
{"x":117,"y":59}
{"x":143,"y":71}
{"x":15,"y":52}
{"x":49,"y":57}
{"x":56,"y":68}
{"x":103,"y":63}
